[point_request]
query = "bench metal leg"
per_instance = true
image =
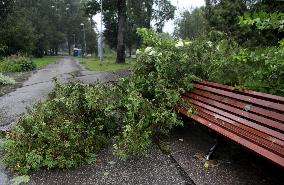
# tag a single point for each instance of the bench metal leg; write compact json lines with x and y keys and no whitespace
{"x":212,"y":150}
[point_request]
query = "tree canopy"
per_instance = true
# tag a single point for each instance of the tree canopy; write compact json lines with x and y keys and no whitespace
{"x":139,"y":14}
{"x":36,"y":26}
{"x":223,"y":15}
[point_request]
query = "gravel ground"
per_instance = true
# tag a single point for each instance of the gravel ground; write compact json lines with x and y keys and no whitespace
{"x":231,"y":164}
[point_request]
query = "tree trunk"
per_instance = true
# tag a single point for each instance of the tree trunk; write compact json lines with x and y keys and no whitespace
{"x":149,"y":7}
{"x":121,"y":5}
{"x":69,"y":48}
{"x":130,"y":51}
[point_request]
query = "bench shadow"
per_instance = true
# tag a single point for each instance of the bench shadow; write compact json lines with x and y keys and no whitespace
{"x":230,"y":164}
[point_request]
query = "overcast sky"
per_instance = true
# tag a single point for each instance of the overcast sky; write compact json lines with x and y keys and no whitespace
{"x":181,"y":6}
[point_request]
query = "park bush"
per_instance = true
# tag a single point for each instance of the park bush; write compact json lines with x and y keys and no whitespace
{"x":261,"y":69}
{"x":17,"y":63}
{"x":5,"y":80}
{"x":76,"y":121}
{"x":64,"y":131}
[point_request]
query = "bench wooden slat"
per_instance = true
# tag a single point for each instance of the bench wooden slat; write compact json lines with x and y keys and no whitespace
{"x":243,"y":113}
{"x":249,"y":136}
{"x":248,"y":144}
{"x":239,"y":104}
{"x":222,"y":119}
{"x":249,"y":99}
{"x":238,"y":119}
{"x":250,"y":92}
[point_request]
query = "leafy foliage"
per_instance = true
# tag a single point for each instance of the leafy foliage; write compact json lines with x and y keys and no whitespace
{"x":20,"y":180}
{"x":261,"y":70}
{"x":17,"y":63}
{"x":263,"y":20}
{"x":191,"y":24}
{"x":222,"y":15}
{"x":77,"y":120}
{"x":5,"y":80}
{"x":139,"y":14}
{"x":64,"y":131}
{"x":38,"y":26}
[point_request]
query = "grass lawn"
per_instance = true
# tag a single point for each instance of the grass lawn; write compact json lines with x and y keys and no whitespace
{"x":41,"y":62}
{"x":93,"y":63}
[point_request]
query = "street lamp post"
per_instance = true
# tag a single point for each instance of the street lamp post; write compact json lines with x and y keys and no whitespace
{"x":101,"y":35}
{"x":74,"y":35}
{"x":82,"y":24}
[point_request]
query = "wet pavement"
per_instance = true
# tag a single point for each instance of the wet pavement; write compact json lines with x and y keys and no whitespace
{"x":232,"y":164}
{"x":154,"y":168}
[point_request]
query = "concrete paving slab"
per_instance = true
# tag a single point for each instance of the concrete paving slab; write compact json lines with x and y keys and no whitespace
{"x":154,"y":168}
{"x":231,"y":165}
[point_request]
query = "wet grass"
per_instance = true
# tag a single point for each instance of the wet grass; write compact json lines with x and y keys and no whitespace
{"x":108,"y":64}
{"x":41,"y":62}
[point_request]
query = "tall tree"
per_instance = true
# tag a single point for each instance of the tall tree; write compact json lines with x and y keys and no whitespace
{"x":139,"y":14}
{"x":223,"y":15}
{"x":191,"y":24}
{"x":164,"y":12}
{"x":121,"y":7}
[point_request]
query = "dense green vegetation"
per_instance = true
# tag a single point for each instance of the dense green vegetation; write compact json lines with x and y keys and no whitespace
{"x":16,"y":63}
{"x":138,"y":14}
{"x":39,"y":27}
{"x":223,"y":15}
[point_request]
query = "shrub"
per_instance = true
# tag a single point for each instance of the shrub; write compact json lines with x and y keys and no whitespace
{"x":17,"y":63}
{"x":5,"y":80}
{"x":64,"y":131}
{"x":261,"y":69}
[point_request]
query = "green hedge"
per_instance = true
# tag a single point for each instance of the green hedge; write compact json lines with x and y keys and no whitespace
{"x":16,"y":64}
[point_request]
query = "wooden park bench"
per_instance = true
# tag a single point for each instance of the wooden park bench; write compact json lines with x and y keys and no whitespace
{"x":252,"y":119}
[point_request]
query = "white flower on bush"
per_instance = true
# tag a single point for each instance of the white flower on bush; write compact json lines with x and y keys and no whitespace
{"x":187,"y":43}
{"x":179,"y":44}
{"x":218,"y":47}
{"x":138,"y":52}
{"x":148,"y":49}
{"x":152,"y":53}
{"x":210,"y":44}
